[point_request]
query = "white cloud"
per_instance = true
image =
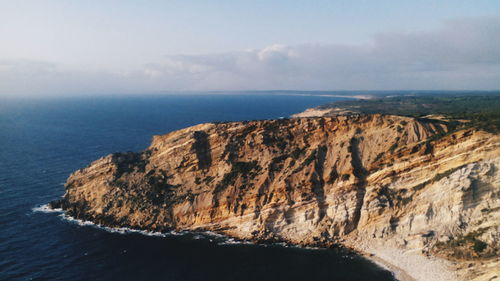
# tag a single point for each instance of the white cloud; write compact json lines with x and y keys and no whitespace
{"x":463,"y":54}
{"x":276,"y":53}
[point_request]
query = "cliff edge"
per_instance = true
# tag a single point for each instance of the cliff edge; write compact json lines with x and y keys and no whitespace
{"x":364,"y":181}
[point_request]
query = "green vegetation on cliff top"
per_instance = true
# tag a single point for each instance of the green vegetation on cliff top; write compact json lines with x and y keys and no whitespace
{"x":483,"y":111}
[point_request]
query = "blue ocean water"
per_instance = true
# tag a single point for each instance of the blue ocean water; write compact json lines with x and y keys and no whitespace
{"x":43,"y":141}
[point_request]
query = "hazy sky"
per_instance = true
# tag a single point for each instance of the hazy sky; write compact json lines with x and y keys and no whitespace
{"x":92,"y":47}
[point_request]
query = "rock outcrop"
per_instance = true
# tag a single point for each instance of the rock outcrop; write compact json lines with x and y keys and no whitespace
{"x":311,"y":181}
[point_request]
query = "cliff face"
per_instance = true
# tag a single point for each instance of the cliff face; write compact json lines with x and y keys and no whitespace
{"x":309,"y":181}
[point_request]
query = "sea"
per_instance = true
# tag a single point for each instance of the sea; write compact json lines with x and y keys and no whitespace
{"x":43,"y":140}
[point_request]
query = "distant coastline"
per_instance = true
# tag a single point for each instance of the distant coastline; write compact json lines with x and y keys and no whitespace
{"x":360,"y":97}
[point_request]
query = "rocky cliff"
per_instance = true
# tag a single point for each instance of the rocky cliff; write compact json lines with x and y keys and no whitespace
{"x":353,"y":180}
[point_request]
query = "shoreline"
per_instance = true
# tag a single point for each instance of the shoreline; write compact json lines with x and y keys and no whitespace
{"x":407,"y":265}
{"x":399,"y":273}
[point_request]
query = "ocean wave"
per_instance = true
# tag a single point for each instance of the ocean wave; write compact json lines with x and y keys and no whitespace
{"x":232,"y":241}
{"x":45,"y":208}
{"x":213,"y":237}
{"x":118,"y":230}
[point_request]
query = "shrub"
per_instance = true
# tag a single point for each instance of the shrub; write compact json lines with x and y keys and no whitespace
{"x":479,"y":246}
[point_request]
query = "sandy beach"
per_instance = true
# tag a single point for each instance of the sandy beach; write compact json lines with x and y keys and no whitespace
{"x":311,"y":112}
{"x":410,"y":265}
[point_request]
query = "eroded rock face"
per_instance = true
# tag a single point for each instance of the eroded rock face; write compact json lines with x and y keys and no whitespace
{"x":305,"y":181}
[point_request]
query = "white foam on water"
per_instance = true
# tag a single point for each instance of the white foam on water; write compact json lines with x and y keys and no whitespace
{"x":232,"y":241}
{"x":118,"y":230}
{"x":46,"y":209}
{"x":177,"y":233}
{"x":127,"y":230}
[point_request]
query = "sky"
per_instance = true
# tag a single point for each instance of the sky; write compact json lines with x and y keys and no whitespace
{"x":50,"y":48}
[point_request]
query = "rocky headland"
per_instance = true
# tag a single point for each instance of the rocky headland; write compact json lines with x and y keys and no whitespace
{"x":387,"y":186}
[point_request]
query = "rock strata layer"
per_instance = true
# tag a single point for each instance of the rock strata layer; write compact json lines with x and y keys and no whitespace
{"x":357,"y":179}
